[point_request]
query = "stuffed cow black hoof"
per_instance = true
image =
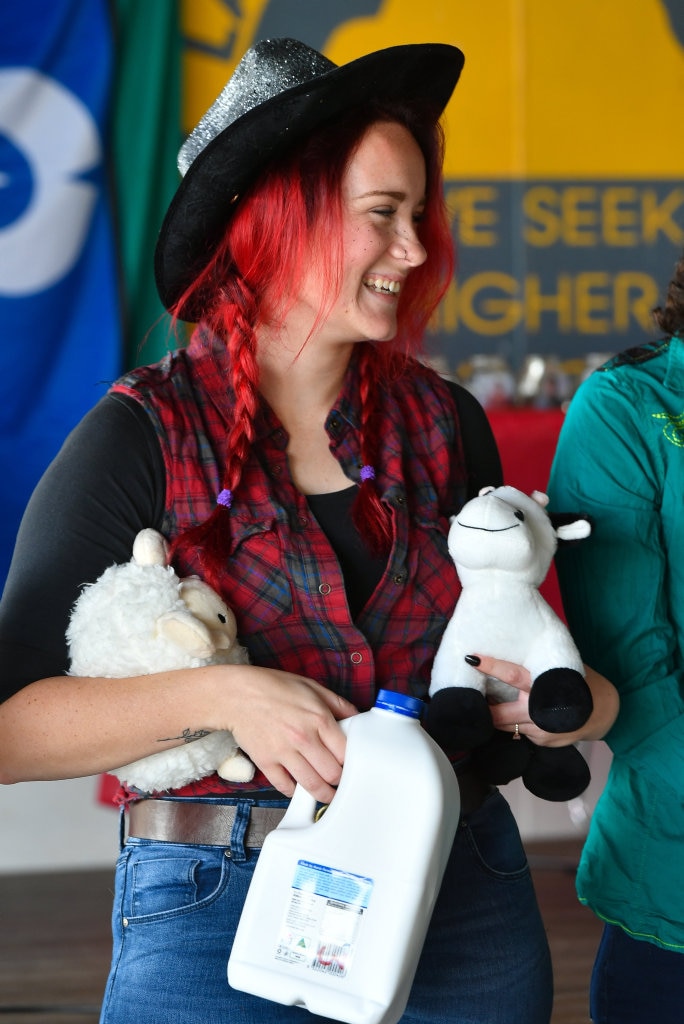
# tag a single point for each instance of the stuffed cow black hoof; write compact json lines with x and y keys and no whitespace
{"x":556,"y":773}
{"x":550,"y":773}
{"x":458,"y":719}
{"x":502,"y":759}
{"x":560,"y":700}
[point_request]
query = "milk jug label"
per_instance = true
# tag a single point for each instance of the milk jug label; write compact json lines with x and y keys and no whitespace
{"x":323,"y":918}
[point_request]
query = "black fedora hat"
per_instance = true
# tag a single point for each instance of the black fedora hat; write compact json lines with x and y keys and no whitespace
{"x":279,"y":92}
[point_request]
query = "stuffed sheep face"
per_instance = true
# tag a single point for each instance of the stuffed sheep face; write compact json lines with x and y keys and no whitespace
{"x":138,"y":618}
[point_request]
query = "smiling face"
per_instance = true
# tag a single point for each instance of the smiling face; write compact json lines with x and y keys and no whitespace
{"x":383,"y":197}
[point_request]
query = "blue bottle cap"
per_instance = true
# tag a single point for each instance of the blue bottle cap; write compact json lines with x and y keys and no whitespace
{"x":400,"y":703}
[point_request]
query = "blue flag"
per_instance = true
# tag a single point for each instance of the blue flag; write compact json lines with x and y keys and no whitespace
{"x":59,"y":303}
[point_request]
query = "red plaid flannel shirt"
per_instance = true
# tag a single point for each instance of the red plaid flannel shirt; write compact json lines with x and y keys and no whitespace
{"x":283,"y":580}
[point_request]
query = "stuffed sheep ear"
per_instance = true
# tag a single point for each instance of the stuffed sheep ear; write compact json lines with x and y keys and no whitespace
{"x":150,"y":548}
{"x":485,"y":490}
{"x":186,"y":632}
{"x":206,"y":606}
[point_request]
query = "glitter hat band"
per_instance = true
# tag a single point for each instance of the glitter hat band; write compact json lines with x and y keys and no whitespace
{"x":279,"y":92}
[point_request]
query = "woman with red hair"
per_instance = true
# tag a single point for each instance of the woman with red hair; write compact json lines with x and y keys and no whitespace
{"x":300,"y":458}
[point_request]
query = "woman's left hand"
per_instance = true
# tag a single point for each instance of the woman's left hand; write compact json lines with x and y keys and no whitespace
{"x":508,"y":715}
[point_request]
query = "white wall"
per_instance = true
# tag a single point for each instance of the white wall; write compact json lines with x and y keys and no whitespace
{"x":56,"y":826}
{"x":59,"y":826}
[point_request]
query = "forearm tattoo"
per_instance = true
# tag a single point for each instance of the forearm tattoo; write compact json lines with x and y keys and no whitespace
{"x":188,"y":736}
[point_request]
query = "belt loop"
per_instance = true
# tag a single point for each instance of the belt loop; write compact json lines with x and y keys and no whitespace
{"x":122,"y":827}
{"x":238,"y":833}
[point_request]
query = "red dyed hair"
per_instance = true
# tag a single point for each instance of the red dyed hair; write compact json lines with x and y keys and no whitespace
{"x":258,"y":266}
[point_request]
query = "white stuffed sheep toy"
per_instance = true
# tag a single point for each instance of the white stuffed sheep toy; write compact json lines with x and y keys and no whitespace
{"x":139,"y":617}
{"x":502,"y":543}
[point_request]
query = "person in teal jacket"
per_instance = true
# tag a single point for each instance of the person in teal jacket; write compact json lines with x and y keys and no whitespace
{"x":620,"y":458}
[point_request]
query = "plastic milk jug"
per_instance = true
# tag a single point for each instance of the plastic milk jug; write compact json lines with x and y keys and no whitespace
{"x":337,"y":910}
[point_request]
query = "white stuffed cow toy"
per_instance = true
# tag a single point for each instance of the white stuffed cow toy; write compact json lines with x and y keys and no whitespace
{"x":502,"y":543}
{"x":140,"y":617}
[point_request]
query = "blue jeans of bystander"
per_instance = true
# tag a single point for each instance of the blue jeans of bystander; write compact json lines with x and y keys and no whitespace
{"x":635,"y":981}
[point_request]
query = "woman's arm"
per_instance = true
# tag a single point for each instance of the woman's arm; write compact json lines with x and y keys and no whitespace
{"x":483,"y":464}
{"x":105,"y":485}
{"x":65,"y":727}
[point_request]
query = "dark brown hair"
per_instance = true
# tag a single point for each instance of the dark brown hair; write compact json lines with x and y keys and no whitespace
{"x":670,"y":318}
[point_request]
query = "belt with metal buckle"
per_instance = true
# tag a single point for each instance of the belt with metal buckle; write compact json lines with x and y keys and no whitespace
{"x":198,"y":822}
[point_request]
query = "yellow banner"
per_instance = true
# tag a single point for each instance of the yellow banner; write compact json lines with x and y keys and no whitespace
{"x":588,"y":88}
{"x":565,"y":162}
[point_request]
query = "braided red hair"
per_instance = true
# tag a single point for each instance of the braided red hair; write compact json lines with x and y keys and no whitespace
{"x":255,"y":273}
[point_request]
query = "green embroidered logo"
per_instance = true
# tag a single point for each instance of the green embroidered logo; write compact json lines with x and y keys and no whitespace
{"x":673,"y":429}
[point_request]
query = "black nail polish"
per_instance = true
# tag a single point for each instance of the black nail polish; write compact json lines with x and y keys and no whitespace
{"x":472,"y":659}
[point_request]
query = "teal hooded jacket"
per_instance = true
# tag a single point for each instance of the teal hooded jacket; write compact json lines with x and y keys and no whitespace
{"x":620,"y":458}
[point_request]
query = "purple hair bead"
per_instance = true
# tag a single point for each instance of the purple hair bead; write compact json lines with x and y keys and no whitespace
{"x":225,"y":498}
{"x":367,"y":473}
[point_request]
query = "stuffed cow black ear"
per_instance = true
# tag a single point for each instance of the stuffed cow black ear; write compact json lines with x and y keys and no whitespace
{"x":570,"y":527}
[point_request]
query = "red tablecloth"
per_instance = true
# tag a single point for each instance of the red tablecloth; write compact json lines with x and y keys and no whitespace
{"x":527,"y":442}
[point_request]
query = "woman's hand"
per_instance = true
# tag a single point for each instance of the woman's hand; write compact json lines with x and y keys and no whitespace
{"x":288,"y":725}
{"x":508,"y":715}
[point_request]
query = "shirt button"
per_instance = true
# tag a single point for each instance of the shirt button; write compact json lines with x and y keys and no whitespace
{"x":324,"y":588}
{"x":302,"y":520}
{"x":401,"y":500}
{"x":399,"y":578}
{"x":356,"y":658}
{"x":276,"y":470}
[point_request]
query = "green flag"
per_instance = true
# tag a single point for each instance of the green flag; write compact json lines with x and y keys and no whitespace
{"x":146,"y":135}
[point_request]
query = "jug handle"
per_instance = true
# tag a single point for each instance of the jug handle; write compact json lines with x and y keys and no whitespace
{"x":302,"y":809}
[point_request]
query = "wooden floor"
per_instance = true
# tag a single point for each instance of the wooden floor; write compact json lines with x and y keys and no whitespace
{"x":573,"y":930}
{"x":55,"y":944}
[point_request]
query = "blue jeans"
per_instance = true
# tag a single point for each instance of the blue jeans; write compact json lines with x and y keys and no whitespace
{"x":176,"y":907}
{"x":636,"y":981}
